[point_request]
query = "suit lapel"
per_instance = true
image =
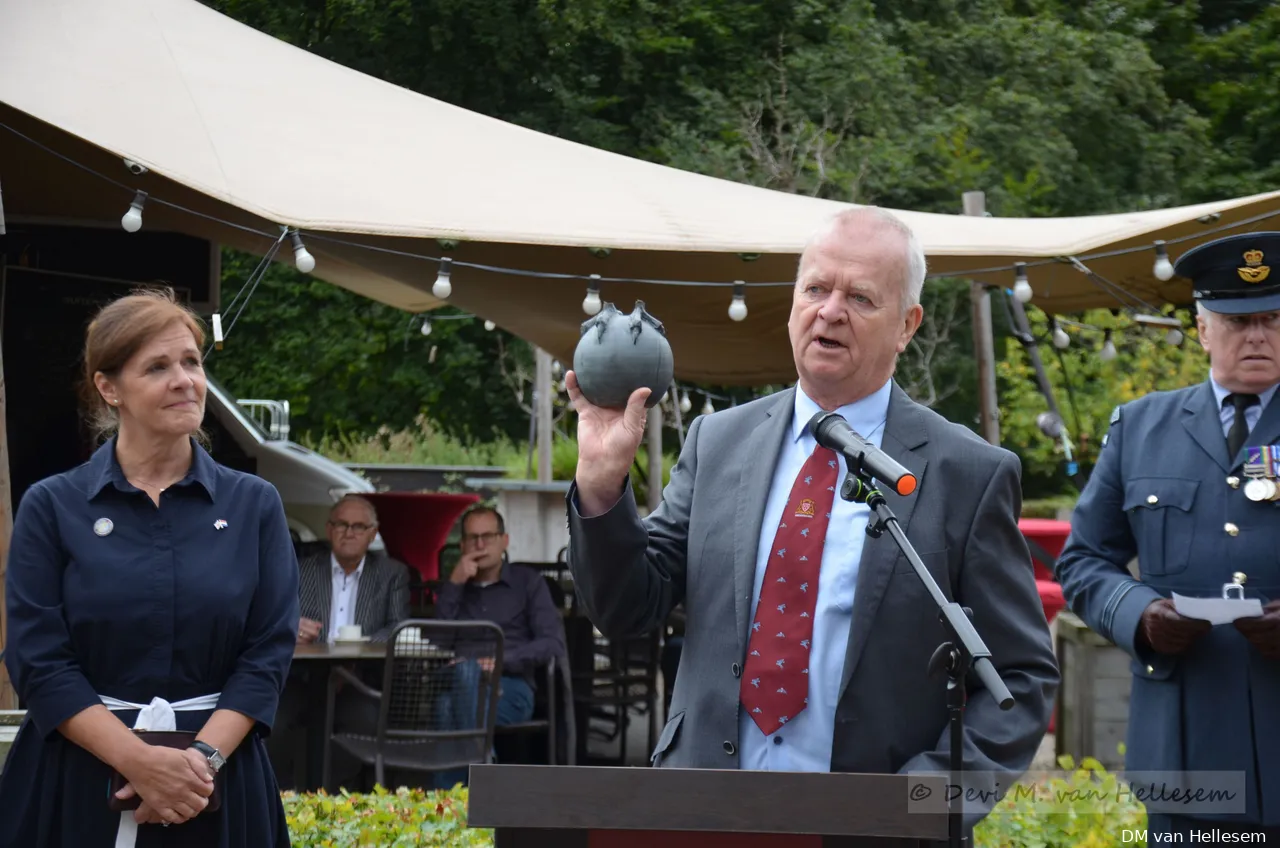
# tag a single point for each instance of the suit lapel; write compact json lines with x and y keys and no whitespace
{"x":904,"y":432}
{"x":1203,"y":422}
{"x":760,"y":455}
{"x":366,"y":591}
{"x":1265,"y":432}
{"x":323,"y":583}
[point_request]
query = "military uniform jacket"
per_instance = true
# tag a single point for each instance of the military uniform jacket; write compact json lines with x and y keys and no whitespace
{"x":1165,"y":491}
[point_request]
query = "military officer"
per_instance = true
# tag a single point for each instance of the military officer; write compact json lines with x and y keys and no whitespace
{"x":1186,"y":482}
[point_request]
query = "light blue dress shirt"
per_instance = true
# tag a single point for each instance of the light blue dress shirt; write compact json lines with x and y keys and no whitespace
{"x":1228,"y":412}
{"x":804,"y":743}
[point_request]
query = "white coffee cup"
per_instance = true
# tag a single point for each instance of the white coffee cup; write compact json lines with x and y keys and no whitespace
{"x":349,"y":632}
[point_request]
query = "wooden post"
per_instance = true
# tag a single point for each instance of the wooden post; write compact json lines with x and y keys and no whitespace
{"x":8,"y":698}
{"x":655,"y":456}
{"x":542,"y":403}
{"x":975,"y":203}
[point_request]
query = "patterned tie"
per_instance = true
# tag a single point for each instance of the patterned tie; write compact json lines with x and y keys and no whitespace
{"x":775,"y":682}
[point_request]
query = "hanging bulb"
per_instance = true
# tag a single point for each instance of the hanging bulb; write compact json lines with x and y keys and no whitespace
{"x":442,"y":288}
{"x":1163,"y":268}
{"x":591,"y":303}
{"x":685,"y":403}
{"x":1108,"y":348}
{"x":707,"y":408}
{"x":426,"y":326}
{"x":738,"y":308}
{"x":1021,"y":288}
{"x":132,"y":220}
{"x":1173,"y":337}
{"x":1060,"y":338}
{"x":489,"y":325}
{"x":305,"y":262}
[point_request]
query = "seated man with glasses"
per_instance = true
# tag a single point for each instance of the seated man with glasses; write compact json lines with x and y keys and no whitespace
{"x":484,"y":587}
{"x":343,"y":584}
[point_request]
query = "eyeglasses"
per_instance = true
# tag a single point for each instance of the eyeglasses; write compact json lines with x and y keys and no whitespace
{"x":473,"y":538}
{"x":344,"y":526}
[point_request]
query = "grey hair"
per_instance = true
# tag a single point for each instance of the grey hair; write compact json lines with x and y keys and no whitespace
{"x":351,"y":497}
{"x":913,"y":258}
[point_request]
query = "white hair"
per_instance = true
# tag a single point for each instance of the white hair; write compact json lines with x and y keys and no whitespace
{"x":913,"y":256}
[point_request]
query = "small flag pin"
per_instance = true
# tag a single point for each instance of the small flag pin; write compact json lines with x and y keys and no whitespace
{"x":220,"y":524}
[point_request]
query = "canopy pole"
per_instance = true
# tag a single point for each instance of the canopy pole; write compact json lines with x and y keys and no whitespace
{"x":542,"y":405}
{"x":975,"y":204}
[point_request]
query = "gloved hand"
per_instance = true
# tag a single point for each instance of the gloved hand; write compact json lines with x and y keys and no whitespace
{"x":1168,"y":631}
{"x":1263,"y":631}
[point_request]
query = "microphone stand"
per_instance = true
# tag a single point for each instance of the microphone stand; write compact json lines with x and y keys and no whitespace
{"x":962,"y":651}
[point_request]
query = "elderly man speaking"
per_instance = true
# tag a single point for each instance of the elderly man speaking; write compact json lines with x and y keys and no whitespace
{"x":752,"y":505}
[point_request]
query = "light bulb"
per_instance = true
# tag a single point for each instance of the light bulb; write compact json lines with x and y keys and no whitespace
{"x":1108,"y":349}
{"x":1173,"y":337}
{"x":426,"y":327}
{"x":305,"y":262}
{"x":132,"y":220}
{"x":1060,"y":338}
{"x":489,"y":325}
{"x":442,"y":287}
{"x":1163,"y":268}
{"x":591,"y":303}
{"x":707,"y":408}
{"x":685,"y":403}
{"x":1021,"y":288}
{"x":738,"y":308}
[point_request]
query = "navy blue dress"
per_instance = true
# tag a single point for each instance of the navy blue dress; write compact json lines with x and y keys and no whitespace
{"x":195,"y":597}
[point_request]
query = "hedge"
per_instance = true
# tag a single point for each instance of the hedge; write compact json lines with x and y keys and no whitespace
{"x":1082,"y":807}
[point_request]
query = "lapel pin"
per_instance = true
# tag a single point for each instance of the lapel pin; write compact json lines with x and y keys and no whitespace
{"x":220,"y":524}
{"x":103,"y":526}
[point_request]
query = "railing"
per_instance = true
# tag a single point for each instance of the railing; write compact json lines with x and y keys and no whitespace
{"x":271,"y":415}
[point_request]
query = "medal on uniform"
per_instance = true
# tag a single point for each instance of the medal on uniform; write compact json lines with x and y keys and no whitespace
{"x":1262,"y":467}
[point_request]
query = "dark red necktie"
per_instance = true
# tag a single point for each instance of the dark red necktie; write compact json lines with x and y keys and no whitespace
{"x":775,"y":682}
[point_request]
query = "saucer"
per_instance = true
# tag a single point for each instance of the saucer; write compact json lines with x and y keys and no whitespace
{"x":359,"y":640}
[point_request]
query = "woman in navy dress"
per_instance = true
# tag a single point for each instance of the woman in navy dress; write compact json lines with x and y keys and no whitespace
{"x":149,"y":572}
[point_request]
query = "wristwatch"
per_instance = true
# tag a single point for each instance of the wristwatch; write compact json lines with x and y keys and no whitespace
{"x":215,"y":758}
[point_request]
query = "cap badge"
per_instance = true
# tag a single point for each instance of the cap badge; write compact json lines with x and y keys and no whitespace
{"x":1254,"y":271}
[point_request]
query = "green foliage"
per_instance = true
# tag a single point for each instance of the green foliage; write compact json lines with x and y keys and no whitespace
{"x":406,"y":818}
{"x":1086,"y":807}
{"x":421,"y":445}
{"x":1086,"y":387}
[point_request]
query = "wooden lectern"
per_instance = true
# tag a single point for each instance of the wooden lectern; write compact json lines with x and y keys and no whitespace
{"x":599,"y":807}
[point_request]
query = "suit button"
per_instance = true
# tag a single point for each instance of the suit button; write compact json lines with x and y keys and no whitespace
{"x":1151,"y":669}
{"x":1231,"y":529}
{"x":729,"y":747}
{"x":737,"y":670}
{"x":777,"y":740}
{"x":1233,"y":482}
{"x":1152,"y":499}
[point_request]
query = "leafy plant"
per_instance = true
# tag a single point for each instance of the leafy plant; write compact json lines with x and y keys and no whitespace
{"x":405,"y":818}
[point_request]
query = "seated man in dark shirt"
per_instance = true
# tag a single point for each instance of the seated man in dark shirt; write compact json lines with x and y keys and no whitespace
{"x":484,"y":587}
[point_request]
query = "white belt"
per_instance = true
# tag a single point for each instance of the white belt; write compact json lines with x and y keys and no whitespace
{"x":157,"y":715}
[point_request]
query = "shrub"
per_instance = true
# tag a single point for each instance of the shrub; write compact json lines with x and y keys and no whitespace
{"x":405,"y":818}
{"x":1085,"y":807}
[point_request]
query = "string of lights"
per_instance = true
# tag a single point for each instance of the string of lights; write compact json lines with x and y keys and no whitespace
{"x":132,"y":221}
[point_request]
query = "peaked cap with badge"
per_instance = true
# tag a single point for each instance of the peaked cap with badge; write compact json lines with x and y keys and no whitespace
{"x":1235,"y":275}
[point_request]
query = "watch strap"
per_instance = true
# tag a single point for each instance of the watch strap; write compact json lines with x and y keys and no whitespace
{"x":211,"y":753}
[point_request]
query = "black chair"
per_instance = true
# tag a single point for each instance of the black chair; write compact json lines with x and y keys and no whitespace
{"x":438,"y":704}
{"x":552,"y":714}
{"x":624,"y":680}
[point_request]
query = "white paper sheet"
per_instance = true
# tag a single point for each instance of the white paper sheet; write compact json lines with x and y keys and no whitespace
{"x":1217,"y":610}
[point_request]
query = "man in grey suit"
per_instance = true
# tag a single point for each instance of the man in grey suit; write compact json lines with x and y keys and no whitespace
{"x":349,"y":584}
{"x":743,"y":518}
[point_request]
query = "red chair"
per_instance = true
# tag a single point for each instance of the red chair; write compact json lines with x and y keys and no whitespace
{"x":1046,"y":539}
{"x":415,"y":525}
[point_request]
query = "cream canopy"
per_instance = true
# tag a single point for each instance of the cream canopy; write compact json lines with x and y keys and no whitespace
{"x":242,"y":128}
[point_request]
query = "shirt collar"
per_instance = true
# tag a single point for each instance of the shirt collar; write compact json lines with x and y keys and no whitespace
{"x":865,"y":416}
{"x":105,"y":470}
{"x":338,"y":569}
{"x":1220,"y":394}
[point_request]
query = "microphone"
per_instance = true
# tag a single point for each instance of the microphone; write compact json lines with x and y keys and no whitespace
{"x":834,"y":432}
